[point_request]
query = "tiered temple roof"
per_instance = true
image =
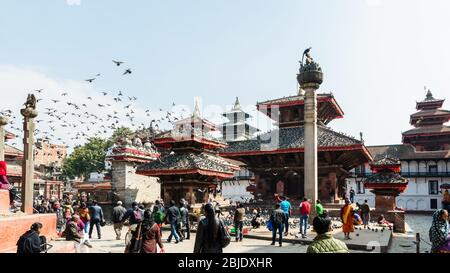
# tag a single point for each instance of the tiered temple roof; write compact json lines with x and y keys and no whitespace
{"x":192,"y":152}
{"x":327,"y":107}
{"x":292,"y":139}
{"x":430,"y":133}
{"x":237,"y":128}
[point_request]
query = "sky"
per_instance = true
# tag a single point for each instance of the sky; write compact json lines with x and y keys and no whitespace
{"x":377,"y":56}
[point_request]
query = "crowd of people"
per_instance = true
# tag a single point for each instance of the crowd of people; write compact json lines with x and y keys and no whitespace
{"x":77,"y":219}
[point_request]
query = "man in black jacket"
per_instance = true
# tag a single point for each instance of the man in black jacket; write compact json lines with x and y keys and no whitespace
{"x":173,"y":215}
{"x":30,"y":241}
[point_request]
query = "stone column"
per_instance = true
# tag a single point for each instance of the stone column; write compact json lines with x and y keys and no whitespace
{"x":29,"y":113}
{"x":3,"y":122}
{"x":310,"y":78}
{"x":311,"y":178}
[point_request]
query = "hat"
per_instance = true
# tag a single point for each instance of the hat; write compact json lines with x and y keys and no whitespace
{"x":3,"y":168}
{"x":119,"y":202}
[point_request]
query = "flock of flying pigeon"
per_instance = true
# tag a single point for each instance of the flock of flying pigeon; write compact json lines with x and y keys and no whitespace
{"x":78,"y":119}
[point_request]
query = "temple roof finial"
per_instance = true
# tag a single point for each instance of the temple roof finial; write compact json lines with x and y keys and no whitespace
{"x":429,"y":95}
{"x":196,"y":113}
{"x":237,"y":105}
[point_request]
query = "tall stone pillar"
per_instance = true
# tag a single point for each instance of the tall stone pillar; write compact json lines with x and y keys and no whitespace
{"x":3,"y":122}
{"x":310,"y":78}
{"x":29,"y":113}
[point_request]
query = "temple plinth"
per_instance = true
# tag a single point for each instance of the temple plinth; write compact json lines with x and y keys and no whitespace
{"x":387,"y":183}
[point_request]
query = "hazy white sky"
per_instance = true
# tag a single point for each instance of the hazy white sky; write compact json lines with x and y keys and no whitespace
{"x":377,"y":55}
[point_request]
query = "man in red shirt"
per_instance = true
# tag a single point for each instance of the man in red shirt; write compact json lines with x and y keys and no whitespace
{"x":305,"y":210}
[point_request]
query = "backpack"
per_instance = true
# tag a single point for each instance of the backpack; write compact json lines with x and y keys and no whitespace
{"x":159,"y":217}
{"x":137,"y":215}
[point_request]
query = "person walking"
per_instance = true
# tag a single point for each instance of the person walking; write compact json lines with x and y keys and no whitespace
{"x":324,"y":241}
{"x":305,"y":210}
{"x":278,"y":218}
{"x":96,"y":218}
{"x":365,"y":213}
{"x":319,"y":208}
{"x":352,"y":195}
{"x":347,"y":219}
{"x":185,"y":224}
{"x":209,"y":236}
{"x":173,"y":216}
{"x":117,"y":214}
{"x":83,"y":212}
{"x":239,"y":221}
{"x":151,"y":234}
{"x":74,"y":232}
{"x":285,"y":206}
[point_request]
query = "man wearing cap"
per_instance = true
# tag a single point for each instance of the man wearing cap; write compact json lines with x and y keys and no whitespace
{"x":117,"y":215}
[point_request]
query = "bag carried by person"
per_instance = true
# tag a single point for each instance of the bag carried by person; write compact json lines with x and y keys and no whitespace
{"x":103,"y":223}
{"x":270,"y":225}
{"x":225,"y":238}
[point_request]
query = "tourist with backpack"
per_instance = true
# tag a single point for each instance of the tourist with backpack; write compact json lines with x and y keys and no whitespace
{"x":133,"y":215}
{"x":278,"y":219}
{"x":212,"y":235}
{"x":173,"y":217}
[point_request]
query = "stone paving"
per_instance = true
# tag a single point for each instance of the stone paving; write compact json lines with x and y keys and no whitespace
{"x":400,"y":243}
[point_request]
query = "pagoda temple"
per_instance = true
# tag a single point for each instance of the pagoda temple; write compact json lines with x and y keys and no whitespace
{"x":430,"y":133}
{"x":277,"y":157}
{"x":192,"y":168}
{"x":237,"y":128}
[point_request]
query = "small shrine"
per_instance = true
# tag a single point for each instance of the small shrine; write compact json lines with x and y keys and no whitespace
{"x":387,"y":183}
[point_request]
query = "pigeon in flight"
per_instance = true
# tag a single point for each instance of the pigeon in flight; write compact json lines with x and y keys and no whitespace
{"x":90,"y":80}
{"x":39,"y":90}
{"x":118,"y":63}
{"x":128,"y":71}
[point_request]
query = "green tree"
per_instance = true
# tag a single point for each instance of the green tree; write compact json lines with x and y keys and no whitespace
{"x":120,"y":133}
{"x":86,"y":158}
